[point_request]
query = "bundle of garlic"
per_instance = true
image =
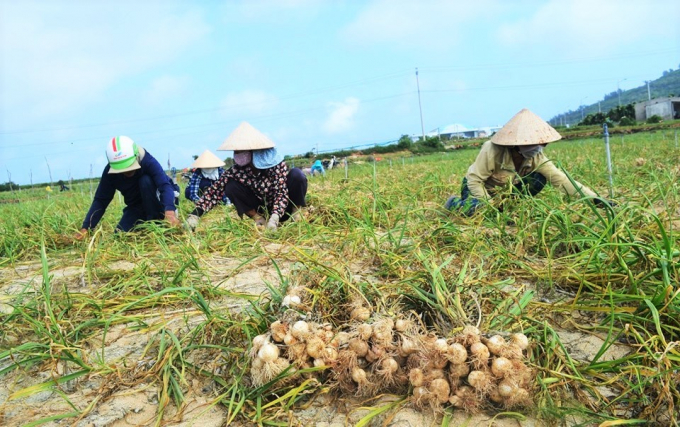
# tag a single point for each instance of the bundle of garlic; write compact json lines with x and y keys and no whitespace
{"x":371,"y":361}
{"x":302,"y":344}
{"x":385,"y":355}
{"x":469,"y":370}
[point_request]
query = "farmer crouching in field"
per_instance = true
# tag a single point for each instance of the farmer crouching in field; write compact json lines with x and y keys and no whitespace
{"x":207,"y":169}
{"x":148,"y":192}
{"x":258,"y":184}
{"x":317,"y":166}
{"x":514,"y":155}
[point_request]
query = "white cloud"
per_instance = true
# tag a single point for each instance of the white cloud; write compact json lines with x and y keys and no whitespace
{"x":248,"y":102}
{"x":62,"y":56}
{"x":165,"y":88}
{"x":430,"y":25}
{"x":342,"y":117}
{"x":585,"y":26}
{"x":271,"y":10}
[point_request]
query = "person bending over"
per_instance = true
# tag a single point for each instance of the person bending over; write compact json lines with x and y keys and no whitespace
{"x":259,"y":184}
{"x":148,"y":192}
{"x":514,"y":156}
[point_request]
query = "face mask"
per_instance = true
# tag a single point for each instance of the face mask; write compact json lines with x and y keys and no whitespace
{"x":210,"y":173}
{"x":529,"y":151}
{"x":243,"y":158}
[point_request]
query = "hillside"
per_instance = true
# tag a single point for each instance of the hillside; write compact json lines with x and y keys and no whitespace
{"x":666,"y":85}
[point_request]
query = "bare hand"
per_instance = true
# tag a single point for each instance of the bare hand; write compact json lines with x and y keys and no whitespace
{"x":171,"y":218}
{"x":259,"y":220}
{"x":80,"y":234}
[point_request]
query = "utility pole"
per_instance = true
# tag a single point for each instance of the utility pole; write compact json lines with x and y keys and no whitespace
{"x":420,"y":107}
{"x":618,"y":89}
{"x":599,"y":108}
{"x":649,"y":94}
{"x":581,"y":104}
{"x":49,"y":170}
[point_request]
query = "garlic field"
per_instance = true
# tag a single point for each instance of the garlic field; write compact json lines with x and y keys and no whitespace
{"x":380,"y":308}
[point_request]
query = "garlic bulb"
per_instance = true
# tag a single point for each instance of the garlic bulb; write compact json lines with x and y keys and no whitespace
{"x":301,"y":330}
{"x":501,"y":366}
{"x":441,"y":389}
{"x":520,"y":340}
{"x":496,"y":344}
{"x":268,"y":352}
{"x":291,"y":301}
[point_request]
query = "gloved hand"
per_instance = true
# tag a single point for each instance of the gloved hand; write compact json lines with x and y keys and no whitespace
{"x":192,"y":222}
{"x":601,"y":203}
{"x":273,"y":222}
{"x":259,"y":220}
{"x":297,"y":215}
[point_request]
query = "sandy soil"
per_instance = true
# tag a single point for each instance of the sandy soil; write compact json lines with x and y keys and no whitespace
{"x":131,"y":401}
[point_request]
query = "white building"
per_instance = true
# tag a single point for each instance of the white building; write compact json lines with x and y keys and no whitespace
{"x":458,"y":131}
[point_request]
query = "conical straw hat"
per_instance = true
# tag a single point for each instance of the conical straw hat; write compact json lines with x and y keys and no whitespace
{"x":207,"y":160}
{"x":246,"y":137}
{"x":526,"y":128}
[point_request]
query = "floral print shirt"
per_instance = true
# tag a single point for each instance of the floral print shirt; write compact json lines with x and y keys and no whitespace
{"x":270,"y":185}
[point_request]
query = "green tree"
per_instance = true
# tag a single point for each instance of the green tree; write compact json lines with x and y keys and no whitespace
{"x":8,"y":186}
{"x":405,"y":142}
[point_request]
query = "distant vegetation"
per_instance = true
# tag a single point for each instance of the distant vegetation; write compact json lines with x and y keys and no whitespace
{"x":8,"y":186}
{"x":624,"y":115}
{"x":668,"y":85}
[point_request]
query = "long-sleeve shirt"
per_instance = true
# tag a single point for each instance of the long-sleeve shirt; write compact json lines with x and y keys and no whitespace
{"x":199,"y":183}
{"x":129,"y":188}
{"x":270,"y":185}
{"x":318,"y":166}
{"x":494,"y":167}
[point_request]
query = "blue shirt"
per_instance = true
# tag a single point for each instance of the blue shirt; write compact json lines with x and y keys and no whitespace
{"x":129,"y":188}
{"x":317,"y":165}
{"x":198,"y":184}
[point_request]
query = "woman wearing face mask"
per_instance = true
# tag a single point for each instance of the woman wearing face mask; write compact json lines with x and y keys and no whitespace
{"x":514,"y":155}
{"x":207,"y":169}
{"x":259,"y":183}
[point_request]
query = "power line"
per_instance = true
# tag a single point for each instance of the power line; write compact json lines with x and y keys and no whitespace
{"x":359,"y":82}
{"x":215,"y":109}
{"x":549,"y":63}
{"x":173,"y":136}
{"x":203,"y":126}
{"x":538,"y":85}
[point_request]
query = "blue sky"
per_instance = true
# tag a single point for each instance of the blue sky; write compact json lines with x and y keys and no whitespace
{"x":179,"y":76}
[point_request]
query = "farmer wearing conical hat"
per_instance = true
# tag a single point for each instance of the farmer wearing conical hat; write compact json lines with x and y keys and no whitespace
{"x":514,"y":155}
{"x":149,"y":194}
{"x":207,"y":169}
{"x":259,"y":183}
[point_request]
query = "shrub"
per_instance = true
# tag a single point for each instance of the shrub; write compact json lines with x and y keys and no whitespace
{"x":654,"y":119}
{"x":627,"y":121}
{"x":8,"y":186}
{"x":405,"y":142}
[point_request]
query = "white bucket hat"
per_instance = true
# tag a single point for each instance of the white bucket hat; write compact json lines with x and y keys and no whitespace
{"x":207,"y":160}
{"x":245,"y":137}
{"x":525,"y":128}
